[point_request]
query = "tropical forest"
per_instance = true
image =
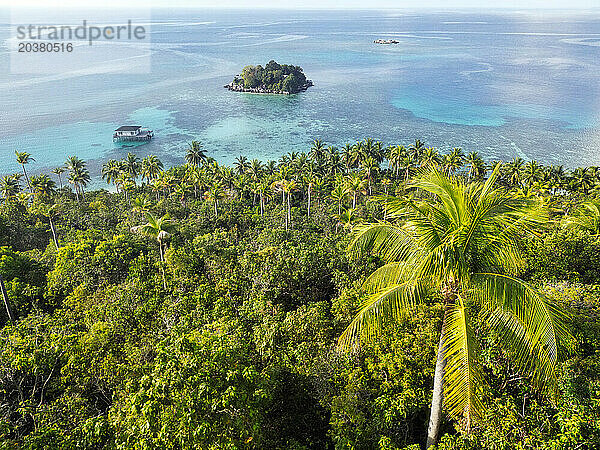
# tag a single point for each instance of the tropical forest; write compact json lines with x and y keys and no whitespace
{"x":369,"y":296}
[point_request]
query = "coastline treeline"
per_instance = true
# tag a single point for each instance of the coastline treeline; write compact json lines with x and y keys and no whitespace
{"x":212,"y":306}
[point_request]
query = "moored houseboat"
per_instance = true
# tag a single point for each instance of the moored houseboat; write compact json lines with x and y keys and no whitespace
{"x":132,"y":133}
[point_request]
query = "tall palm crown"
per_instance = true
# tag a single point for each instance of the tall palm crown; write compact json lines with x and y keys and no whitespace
{"x":195,"y":155}
{"x":459,"y":241}
{"x":42,"y":185}
{"x":111,"y":171}
{"x":157,"y":228}
{"x":24,"y":158}
{"x":151,"y":167}
{"x":131,"y":165}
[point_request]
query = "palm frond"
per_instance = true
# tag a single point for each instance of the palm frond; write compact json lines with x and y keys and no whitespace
{"x":383,"y":239}
{"x":529,"y":326}
{"x":391,"y":303}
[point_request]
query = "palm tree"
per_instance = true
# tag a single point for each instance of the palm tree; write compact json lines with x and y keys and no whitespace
{"x":255,"y":169}
{"x":124,"y":183}
{"x":9,"y":186}
{"x":476,"y":165}
{"x":460,"y":243}
{"x":355,"y":185}
{"x":288,"y":186}
{"x":42,"y":185}
{"x":430,"y":157}
{"x":270,"y":167}
{"x":50,"y":213}
{"x":181,"y":191}
{"x":213,"y":195}
{"x":241,"y":165}
{"x":348,"y":219}
{"x":151,"y":167}
{"x":581,"y":180}
{"x":347,"y":157}
{"x":263,"y":192}
{"x":339,"y":194}
{"x":142,"y":204}
{"x":557,"y":177}
{"x":59,"y":171}
{"x":408,"y":166}
{"x":111,"y":171}
{"x":453,"y":161}
{"x":159,"y":229}
{"x":370,"y":166}
{"x":194,"y":155}
{"x":586,"y":218}
{"x":395,"y":156}
{"x":415,"y":150}
{"x":513,"y":171}
{"x":309,"y":180}
{"x":79,"y":176}
{"x":24,"y":158}
{"x":317,"y":151}
{"x":131,"y":165}
{"x":4,"y":293}
{"x":532,"y":173}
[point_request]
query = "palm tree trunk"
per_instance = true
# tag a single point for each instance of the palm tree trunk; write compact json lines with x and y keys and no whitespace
{"x":9,"y":311}
{"x":26,"y":177}
{"x":162,"y":265}
{"x":53,"y":232}
{"x":289,"y":209}
{"x":285,"y":212}
{"x":309,"y":189}
{"x":437,"y":400}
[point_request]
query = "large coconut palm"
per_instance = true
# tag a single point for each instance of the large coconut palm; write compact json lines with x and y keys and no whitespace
{"x":461,"y":243}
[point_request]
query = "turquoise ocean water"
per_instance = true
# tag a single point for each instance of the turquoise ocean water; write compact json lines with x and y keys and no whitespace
{"x":506,"y":83}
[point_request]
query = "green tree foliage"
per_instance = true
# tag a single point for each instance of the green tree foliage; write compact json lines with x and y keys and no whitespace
{"x":273,"y":77}
{"x":236,"y":346}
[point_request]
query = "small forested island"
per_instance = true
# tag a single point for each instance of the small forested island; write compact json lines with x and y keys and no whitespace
{"x":274,"y":78}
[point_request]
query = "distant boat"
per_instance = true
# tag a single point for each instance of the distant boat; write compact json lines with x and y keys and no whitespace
{"x":132,"y":133}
